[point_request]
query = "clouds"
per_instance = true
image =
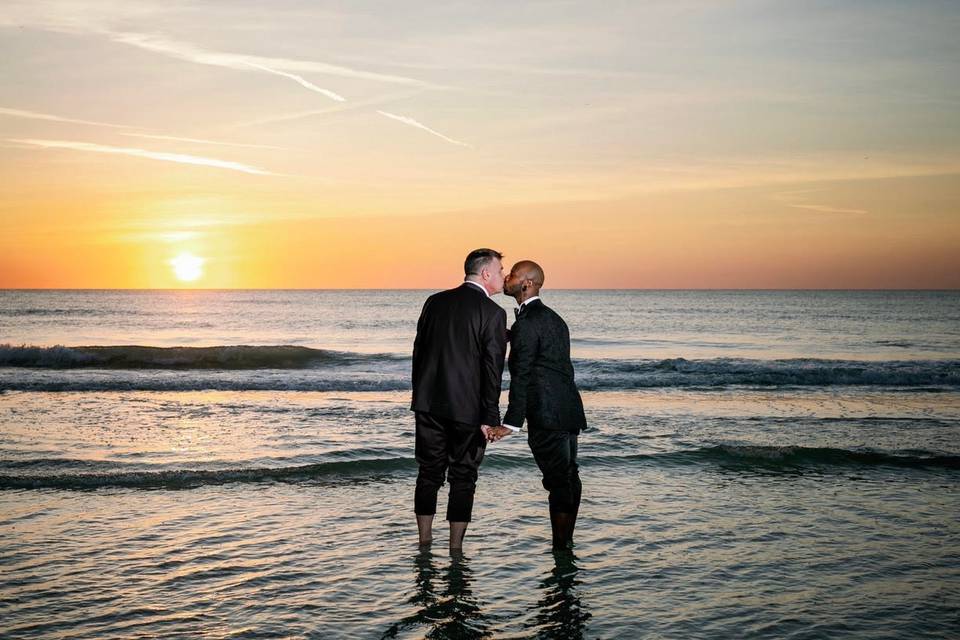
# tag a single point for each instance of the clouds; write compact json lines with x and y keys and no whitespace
{"x":695,"y":83}
{"x":73,"y":19}
{"x":299,"y":80}
{"x":795,"y":200}
{"x":200,"y":55}
{"x":275,"y":66}
{"x":419,"y":125}
{"x":141,"y":153}
{"x":202,"y":141}
{"x":33,"y":115}
{"x":180,"y":158}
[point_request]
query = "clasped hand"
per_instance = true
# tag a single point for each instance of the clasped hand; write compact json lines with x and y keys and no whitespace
{"x":494,"y":433}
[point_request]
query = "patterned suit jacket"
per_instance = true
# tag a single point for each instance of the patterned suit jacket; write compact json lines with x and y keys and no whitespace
{"x":542,"y":387}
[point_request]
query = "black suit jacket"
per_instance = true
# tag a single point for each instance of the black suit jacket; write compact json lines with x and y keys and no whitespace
{"x":458,"y":356}
{"x":542,"y":389}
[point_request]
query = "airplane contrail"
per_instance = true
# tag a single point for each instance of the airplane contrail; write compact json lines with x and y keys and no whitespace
{"x":822,"y":208}
{"x":353,"y":105}
{"x":141,"y":153}
{"x":33,"y":115}
{"x":420,"y":125}
{"x":296,"y":78}
{"x":192,"y":53}
{"x":202,"y":141}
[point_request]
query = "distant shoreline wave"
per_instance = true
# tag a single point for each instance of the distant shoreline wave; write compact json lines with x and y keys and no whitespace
{"x":146,"y":357}
{"x":747,"y":458}
{"x":297,"y":368}
{"x":795,"y":372}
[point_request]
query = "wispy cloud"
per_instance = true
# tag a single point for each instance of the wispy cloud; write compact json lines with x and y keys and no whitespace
{"x":505,"y":68}
{"x":141,"y":153}
{"x":420,"y":125}
{"x":202,"y":141}
{"x":160,"y":236}
{"x":193,"y":53}
{"x":354,"y":105}
{"x":794,"y":199}
{"x":822,"y":208}
{"x":301,"y":81}
{"x":33,"y":115}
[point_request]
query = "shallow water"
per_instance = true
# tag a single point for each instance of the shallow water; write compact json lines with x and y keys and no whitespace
{"x":260,"y":513}
{"x":811,"y":505}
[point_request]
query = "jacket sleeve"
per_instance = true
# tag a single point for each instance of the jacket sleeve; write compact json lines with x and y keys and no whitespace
{"x":494,"y":349}
{"x":523,"y":351}
{"x":417,"y":346}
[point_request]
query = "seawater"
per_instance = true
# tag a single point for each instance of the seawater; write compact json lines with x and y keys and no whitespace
{"x":240,"y":464}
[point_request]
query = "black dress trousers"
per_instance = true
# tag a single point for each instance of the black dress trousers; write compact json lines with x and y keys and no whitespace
{"x":452,"y":449}
{"x":556,"y":455}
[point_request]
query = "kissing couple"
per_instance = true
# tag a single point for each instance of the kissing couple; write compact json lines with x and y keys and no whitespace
{"x":458,"y":358}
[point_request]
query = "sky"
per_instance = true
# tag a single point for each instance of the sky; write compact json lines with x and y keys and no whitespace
{"x":675,"y":144}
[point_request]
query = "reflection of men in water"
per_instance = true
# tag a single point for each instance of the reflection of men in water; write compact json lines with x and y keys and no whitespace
{"x":543,"y":392}
{"x":451,"y":613}
{"x":561,"y":613}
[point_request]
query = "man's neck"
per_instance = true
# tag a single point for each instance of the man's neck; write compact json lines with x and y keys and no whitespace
{"x":523,"y":296}
{"x":478,"y":283}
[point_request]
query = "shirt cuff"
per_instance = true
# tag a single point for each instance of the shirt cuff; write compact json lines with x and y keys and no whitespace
{"x":512,"y":428}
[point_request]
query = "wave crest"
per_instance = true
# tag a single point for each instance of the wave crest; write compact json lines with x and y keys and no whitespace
{"x":802,"y":372}
{"x":93,"y":368}
{"x":739,"y":458}
{"x":145,"y":357}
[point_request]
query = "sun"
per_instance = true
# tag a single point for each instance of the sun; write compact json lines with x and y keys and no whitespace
{"x":187,"y":267}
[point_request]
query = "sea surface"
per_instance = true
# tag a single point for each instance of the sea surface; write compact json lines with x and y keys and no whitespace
{"x":239,"y":464}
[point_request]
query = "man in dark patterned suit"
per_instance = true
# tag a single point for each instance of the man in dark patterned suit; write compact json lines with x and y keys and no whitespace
{"x":457,"y":368}
{"x":543,"y":392}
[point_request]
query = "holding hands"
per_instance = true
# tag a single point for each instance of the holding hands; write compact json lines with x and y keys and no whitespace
{"x":494,"y":433}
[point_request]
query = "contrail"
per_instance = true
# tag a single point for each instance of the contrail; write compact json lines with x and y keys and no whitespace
{"x":201,"y":141}
{"x":193,"y":53}
{"x":19,"y":113}
{"x":353,"y":105}
{"x":141,"y":153}
{"x":419,"y":125}
{"x":296,"y":78}
{"x":822,"y":208}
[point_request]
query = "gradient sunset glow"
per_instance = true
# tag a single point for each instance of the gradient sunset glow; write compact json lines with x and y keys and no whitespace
{"x":648,"y":145}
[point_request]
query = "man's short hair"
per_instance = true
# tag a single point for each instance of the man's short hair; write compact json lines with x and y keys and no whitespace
{"x":478,"y":259}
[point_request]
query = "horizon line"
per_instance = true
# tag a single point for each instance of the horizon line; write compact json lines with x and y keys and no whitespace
{"x":931,"y":289}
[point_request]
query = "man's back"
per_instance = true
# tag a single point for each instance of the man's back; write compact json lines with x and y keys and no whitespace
{"x":542,"y":387}
{"x":458,"y":356}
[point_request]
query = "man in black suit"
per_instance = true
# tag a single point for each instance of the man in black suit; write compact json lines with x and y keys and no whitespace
{"x":543,"y":392}
{"x":458,"y":359}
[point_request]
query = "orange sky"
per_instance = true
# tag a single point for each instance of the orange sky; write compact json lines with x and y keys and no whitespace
{"x":738,"y":237}
{"x":641,"y":148}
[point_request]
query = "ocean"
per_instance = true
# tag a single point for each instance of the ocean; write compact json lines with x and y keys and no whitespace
{"x":239,"y":464}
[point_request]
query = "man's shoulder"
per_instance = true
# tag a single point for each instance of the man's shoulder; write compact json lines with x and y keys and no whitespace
{"x":545,"y":315}
{"x":475,"y":292}
{"x":449,"y":294}
{"x":491,"y":305}
{"x":539,"y":309}
{"x":467,"y":293}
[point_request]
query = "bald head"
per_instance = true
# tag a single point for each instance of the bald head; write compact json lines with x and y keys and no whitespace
{"x":525,"y":279}
{"x":529,"y":270}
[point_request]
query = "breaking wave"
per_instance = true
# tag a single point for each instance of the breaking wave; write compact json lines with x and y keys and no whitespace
{"x":731,"y":457}
{"x":800,"y":372}
{"x":289,"y":367}
{"x":143,"y":357}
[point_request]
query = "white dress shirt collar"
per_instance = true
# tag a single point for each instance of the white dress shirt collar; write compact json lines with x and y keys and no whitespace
{"x":528,"y":301}
{"x":477,"y":284}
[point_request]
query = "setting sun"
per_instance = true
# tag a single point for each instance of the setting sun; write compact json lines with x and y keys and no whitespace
{"x":187,"y":267}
